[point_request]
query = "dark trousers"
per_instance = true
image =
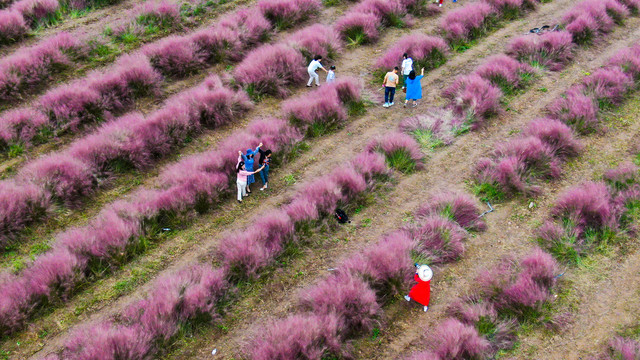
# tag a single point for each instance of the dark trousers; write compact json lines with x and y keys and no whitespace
{"x":389,"y":93}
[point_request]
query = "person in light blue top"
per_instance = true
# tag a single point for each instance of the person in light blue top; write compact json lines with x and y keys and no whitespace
{"x":248,"y":165}
{"x":414,"y":88}
{"x":331,"y":75}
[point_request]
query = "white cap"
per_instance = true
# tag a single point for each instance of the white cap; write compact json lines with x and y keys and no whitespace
{"x":425,"y":273}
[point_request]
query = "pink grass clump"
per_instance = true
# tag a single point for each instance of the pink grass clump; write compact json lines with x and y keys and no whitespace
{"x":608,"y":86}
{"x":301,"y":336}
{"x":317,"y":39}
{"x":271,"y":69}
{"x":105,"y":340}
{"x":457,"y":206}
{"x":586,"y":206}
{"x":552,"y":50}
{"x":250,"y":25}
{"x":35,"y":10}
{"x":12,"y":26}
{"x":433,"y":128}
{"x":395,"y":143}
{"x":622,"y":349}
{"x":440,"y":240}
{"x":467,"y":23}
{"x":287,"y":13}
{"x":20,"y":126}
{"x":370,"y":165}
{"x":555,"y":134}
{"x":358,"y":25}
{"x":160,"y":13}
{"x":426,"y":51}
{"x":473,"y":98}
{"x":628,"y":59}
{"x":174,"y":56}
{"x":20,"y":204}
{"x":347,"y":297}
{"x":504,"y":72}
{"x":71,"y":105}
{"x":456,"y":340}
{"x":577,"y":110}
{"x":623,"y":176}
{"x":590,"y":19}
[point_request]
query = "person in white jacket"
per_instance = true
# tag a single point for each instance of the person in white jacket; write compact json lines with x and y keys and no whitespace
{"x":314,"y":65}
{"x":407,"y":66}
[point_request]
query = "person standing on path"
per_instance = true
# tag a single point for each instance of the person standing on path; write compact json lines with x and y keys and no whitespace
{"x":421,"y":292}
{"x":414,"y":88}
{"x":241,"y":179}
{"x":249,"y":160}
{"x":390,"y":82}
{"x":407,"y":66}
{"x":314,"y":65}
{"x":264,"y":160}
{"x":331,"y":75}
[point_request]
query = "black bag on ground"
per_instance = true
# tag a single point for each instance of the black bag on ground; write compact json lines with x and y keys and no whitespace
{"x":341,"y":216}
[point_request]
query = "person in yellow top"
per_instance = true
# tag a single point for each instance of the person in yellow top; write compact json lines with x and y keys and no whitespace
{"x":390,"y":82}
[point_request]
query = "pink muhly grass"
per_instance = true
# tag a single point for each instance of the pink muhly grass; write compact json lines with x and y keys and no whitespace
{"x":440,"y":240}
{"x":271,"y":69}
{"x":35,"y":10}
{"x":555,"y":134}
{"x":66,"y":178}
{"x":130,"y":78}
{"x":467,"y":23}
{"x":577,"y":110}
{"x":457,"y":206}
{"x":20,"y":126}
{"x":317,"y":112}
{"x":470,"y":310}
{"x":455,"y":340}
{"x":401,"y":151}
{"x":628,"y":59}
{"x":317,"y":39}
{"x":348,"y":89}
{"x":433,"y":128}
{"x":13,"y":303}
{"x":386,"y":266}
{"x":370,"y":165}
{"x":301,"y":209}
{"x":589,"y":19}
{"x":324,"y":193}
{"x":106,"y":340}
{"x":276,"y":134}
{"x":161,"y":13}
{"x":623,"y":176}
{"x":473,"y":98}
{"x":509,"y":9}
{"x":20,"y":204}
{"x":386,"y":12}
{"x":632,"y":5}
{"x":622,"y":349}
{"x":217,"y":44}
{"x":552,"y":50}
{"x":586,"y":207}
{"x":53,"y":275}
{"x":505,"y":72}
{"x":426,"y":51}
{"x":350,"y":182}
{"x":12,"y":26}
{"x":287,"y":13}
{"x":608,"y":86}
{"x":346,"y":296}
{"x":300,"y":336}
{"x":358,"y":28}
{"x":423,"y":355}
{"x":69,"y":106}
{"x":250,"y":25}
{"x":174,"y":56}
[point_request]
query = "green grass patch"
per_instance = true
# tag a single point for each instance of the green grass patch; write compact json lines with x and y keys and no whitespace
{"x":426,"y":139}
{"x":401,"y":160}
{"x":488,"y":192}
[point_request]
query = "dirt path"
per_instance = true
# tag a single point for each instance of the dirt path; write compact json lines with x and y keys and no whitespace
{"x":454,"y":162}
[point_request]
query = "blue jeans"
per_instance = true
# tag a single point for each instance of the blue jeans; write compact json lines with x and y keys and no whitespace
{"x":264,"y":175}
{"x":389,"y":92}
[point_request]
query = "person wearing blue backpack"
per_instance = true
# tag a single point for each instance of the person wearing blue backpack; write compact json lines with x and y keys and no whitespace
{"x":248,"y":165}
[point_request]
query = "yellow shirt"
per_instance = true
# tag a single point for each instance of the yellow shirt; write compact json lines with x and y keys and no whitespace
{"x":391,"y":79}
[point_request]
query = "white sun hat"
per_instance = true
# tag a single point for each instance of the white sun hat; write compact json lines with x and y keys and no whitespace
{"x":425,"y":273}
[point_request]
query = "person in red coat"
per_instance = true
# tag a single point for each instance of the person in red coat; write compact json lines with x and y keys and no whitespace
{"x":421,"y":292}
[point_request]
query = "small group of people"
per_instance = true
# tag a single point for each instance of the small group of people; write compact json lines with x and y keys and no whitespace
{"x":314,"y":66}
{"x":411,"y":83}
{"x":245,"y":170}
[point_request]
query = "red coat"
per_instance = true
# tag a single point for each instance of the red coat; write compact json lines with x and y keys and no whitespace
{"x":421,"y":292}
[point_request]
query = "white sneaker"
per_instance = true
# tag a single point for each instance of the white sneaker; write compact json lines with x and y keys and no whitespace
{"x":391,"y":104}
{"x":385,"y":105}
{"x":406,"y":297}
{"x":426,"y":308}
{"x":439,"y":5}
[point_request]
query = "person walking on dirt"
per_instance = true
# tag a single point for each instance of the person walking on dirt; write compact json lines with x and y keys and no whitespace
{"x":421,"y":292}
{"x":248,"y":164}
{"x":264,"y":160}
{"x":390,"y":82}
{"x":414,"y":88}
{"x":241,"y":179}
{"x":314,"y":65}
{"x":407,"y":66}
